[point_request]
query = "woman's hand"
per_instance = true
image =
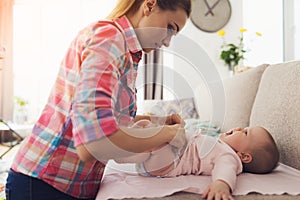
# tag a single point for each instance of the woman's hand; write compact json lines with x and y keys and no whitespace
{"x":165,"y":120}
{"x":217,"y":190}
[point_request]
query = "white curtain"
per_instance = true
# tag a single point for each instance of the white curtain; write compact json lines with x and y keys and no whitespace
{"x":43,"y":30}
{"x":6,"y":71}
{"x":153,"y":75}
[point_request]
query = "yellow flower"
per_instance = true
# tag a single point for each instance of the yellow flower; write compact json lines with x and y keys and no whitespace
{"x":243,"y":30}
{"x":232,"y":53}
{"x":258,"y":34}
{"x":221,"y":33}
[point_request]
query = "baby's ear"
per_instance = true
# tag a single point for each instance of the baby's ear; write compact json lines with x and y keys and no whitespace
{"x":245,"y":157}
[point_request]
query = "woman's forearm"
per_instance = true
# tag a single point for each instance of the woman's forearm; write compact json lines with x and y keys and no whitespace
{"x":141,"y":117}
{"x":127,"y":142}
{"x":142,"y":139}
{"x":161,"y":120}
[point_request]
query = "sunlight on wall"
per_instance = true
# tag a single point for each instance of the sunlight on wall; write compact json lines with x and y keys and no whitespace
{"x":43,"y":30}
{"x":269,"y":47}
{"x":297,"y":29}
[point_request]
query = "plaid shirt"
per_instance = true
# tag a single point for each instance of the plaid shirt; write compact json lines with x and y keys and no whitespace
{"x":93,"y":94}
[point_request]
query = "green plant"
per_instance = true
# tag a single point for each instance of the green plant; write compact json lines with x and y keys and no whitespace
{"x":232,"y":53}
{"x":20,"y":102}
{"x":20,"y":110}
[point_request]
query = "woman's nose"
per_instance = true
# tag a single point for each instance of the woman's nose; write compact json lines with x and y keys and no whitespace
{"x":166,"y":41}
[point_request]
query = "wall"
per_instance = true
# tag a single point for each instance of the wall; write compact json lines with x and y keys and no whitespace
{"x":254,"y":15}
{"x":202,"y":76}
{"x":266,"y":17}
{"x":85,"y":11}
{"x":296,"y":28}
{"x":6,"y":23}
{"x":205,"y":50}
{"x":1,"y":83}
{"x":50,"y":27}
{"x":210,"y":42}
{"x":292,"y":30}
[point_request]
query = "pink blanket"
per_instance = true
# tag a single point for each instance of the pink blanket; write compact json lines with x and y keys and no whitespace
{"x":122,"y":182}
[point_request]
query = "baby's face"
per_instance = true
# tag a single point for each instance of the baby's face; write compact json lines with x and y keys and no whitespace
{"x":242,"y":140}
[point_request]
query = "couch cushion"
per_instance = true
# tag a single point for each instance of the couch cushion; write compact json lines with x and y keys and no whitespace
{"x":240,"y":92}
{"x":277,"y":108}
{"x":185,"y":107}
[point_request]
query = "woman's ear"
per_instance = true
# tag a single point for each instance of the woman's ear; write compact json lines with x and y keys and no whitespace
{"x":148,"y":6}
{"x":245,"y":157}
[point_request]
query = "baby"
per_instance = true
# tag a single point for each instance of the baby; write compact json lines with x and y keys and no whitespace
{"x":251,"y":149}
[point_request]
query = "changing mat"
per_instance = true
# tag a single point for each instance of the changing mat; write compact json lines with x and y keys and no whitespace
{"x":121,"y":181}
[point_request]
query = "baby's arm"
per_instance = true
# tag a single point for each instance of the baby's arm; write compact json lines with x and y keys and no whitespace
{"x":224,"y":173}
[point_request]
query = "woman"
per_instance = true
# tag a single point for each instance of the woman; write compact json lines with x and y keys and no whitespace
{"x":92,"y":104}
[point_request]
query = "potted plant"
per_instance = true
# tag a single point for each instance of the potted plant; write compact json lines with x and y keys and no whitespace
{"x":232,"y":53}
{"x":21,"y":114}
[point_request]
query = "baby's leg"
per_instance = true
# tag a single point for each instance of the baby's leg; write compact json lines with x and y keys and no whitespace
{"x":161,"y":161}
{"x":157,"y":162}
{"x":137,"y":158}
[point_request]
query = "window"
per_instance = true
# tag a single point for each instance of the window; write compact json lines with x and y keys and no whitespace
{"x":280,"y":26}
{"x":43,"y":31}
{"x":291,"y":30}
{"x":265,"y":17}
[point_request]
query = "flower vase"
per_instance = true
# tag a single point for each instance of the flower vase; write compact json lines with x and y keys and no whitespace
{"x":231,"y":69}
{"x":21,"y":115}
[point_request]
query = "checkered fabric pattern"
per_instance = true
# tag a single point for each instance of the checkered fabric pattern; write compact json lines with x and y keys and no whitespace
{"x":93,"y":94}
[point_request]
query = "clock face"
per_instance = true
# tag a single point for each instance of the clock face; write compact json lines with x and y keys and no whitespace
{"x":210,"y":15}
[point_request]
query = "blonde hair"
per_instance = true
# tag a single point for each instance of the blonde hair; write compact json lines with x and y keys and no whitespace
{"x":123,"y":7}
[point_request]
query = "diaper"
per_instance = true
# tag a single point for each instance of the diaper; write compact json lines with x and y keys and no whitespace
{"x":140,"y":167}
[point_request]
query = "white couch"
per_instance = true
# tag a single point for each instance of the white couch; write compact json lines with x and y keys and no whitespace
{"x":269,"y":96}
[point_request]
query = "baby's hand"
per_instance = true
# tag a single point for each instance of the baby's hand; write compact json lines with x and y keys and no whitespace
{"x":175,"y":119}
{"x":217,"y":190}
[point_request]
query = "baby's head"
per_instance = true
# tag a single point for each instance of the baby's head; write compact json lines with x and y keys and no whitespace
{"x":256,"y":148}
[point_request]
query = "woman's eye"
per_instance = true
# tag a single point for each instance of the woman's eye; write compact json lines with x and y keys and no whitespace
{"x":171,"y":30}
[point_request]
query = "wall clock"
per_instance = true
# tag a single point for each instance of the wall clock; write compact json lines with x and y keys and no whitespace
{"x":210,"y":15}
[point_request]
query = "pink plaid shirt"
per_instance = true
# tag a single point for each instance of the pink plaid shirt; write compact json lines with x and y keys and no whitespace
{"x":93,"y":94}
